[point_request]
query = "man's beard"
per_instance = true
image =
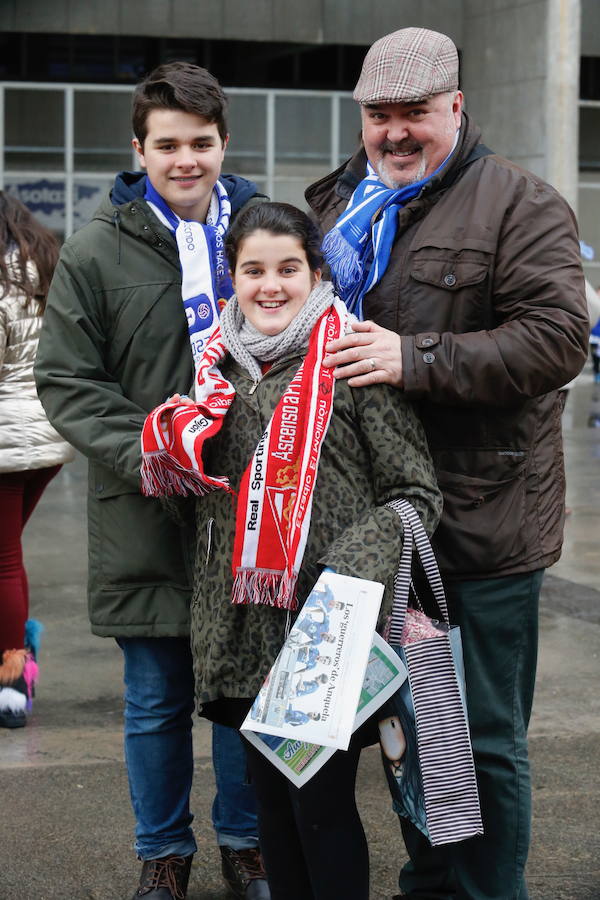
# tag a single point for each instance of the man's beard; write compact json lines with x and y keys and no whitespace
{"x":394,"y":179}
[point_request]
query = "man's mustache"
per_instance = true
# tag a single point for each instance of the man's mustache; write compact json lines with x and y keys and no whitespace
{"x":407,"y":146}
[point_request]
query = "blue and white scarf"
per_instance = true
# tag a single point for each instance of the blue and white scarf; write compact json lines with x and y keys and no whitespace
{"x":204,"y":269}
{"x":357,"y":248}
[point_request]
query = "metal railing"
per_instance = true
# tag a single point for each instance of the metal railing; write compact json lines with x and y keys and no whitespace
{"x":269,"y":175}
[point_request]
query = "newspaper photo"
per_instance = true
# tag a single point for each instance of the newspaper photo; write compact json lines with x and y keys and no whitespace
{"x":312,"y":691}
{"x":299,"y":760}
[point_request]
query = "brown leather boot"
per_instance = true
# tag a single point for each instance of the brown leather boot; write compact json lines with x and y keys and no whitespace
{"x":164,"y":879}
{"x":244,"y":873}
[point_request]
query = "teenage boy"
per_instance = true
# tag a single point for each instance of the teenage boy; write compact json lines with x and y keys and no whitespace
{"x":134,"y":295}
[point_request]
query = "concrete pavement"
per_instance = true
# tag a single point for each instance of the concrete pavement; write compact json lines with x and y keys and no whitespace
{"x":66,"y":827}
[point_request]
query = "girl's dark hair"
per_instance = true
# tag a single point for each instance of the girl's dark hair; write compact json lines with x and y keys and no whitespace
{"x":179,"y":85}
{"x":23,"y":239}
{"x":277,"y":218}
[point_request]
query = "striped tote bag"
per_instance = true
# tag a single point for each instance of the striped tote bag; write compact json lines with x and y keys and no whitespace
{"x":424,"y":730}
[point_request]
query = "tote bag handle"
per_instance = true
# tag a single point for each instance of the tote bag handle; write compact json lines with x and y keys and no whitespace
{"x":415,"y":536}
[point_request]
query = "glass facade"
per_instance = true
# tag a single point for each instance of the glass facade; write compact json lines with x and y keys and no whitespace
{"x":34,"y":127}
{"x":588,"y":210}
{"x":61,"y":144}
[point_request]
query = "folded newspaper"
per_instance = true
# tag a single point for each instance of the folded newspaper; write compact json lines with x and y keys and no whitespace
{"x":299,"y":759}
{"x":309,"y":700}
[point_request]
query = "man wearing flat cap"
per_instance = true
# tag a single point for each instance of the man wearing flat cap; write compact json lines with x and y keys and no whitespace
{"x":465,"y":273}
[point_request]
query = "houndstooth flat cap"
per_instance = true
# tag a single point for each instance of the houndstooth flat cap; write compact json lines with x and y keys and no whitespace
{"x":408,"y":66}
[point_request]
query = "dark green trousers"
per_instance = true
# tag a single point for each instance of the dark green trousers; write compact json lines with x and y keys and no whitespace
{"x":498,"y":618}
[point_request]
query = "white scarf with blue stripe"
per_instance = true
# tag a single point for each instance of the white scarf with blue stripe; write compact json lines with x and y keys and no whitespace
{"x":358,"y":247}
{"x":204,"y":268}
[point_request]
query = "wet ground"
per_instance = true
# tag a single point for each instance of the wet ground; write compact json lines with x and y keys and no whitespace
{"x":66,"y":826}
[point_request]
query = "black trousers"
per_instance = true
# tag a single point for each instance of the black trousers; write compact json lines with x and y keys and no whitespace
{"x":311,"y":838}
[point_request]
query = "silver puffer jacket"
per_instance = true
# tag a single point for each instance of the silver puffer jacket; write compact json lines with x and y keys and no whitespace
{"x":27,"y":440}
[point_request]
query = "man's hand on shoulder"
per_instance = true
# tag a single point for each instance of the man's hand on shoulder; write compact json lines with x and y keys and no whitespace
{"x":370,"y":355}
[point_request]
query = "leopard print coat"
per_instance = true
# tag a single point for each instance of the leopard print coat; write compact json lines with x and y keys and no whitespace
{"x":374,"y":451}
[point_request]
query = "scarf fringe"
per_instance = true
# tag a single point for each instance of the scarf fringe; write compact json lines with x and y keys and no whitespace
{"x":343,"y":260}
{"x":163,"y":476}
{"x":267,"y":588}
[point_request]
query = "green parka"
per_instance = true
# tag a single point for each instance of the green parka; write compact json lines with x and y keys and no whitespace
{"x":374,"y":451}
{"x":113,"y":346}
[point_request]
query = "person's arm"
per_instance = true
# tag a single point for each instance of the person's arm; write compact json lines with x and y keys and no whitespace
{"x":82,"y":399}
{"x":540,"y":334}
{"x":401,"y":467}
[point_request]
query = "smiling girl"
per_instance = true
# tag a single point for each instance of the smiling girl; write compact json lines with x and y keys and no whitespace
{"x":310,"y":464}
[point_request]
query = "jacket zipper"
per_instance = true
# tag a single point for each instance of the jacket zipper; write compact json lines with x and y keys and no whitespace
{"x":209,"y":529}
{"x":117,"y":221}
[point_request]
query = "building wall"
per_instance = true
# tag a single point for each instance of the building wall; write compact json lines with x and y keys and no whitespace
{"x":519,"y":72}
{"x":521,"y":80}
{"x":313,"y":21}
{"x":504,"y":72}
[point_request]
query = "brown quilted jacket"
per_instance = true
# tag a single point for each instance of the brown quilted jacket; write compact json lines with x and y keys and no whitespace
{"x":485,"y":287}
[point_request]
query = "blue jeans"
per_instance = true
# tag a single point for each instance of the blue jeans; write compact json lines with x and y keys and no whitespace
{"x":159,"y":703}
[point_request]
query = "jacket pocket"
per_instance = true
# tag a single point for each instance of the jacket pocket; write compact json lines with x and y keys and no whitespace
{"x":453,"y":285}
{"x":448,"y":273}
{"x":132,"y":539}
{"x":133,"y":308}
{"x":481,"y":529}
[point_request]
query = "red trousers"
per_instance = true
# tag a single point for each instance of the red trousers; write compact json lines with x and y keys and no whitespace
{"x":19,"y":494}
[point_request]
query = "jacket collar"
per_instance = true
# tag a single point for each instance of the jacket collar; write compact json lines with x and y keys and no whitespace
{"x":130,"y":186}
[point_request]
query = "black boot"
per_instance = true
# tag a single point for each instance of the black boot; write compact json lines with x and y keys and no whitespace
{"x":244,"y":873}
{"x":164,"y":879}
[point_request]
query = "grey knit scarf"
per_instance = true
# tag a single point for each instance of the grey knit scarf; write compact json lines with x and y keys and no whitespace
{"x":249,"y":347}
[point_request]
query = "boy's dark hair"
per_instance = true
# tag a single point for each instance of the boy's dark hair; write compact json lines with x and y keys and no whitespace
{"x":179,"y":85}
{"x":277,"y":218}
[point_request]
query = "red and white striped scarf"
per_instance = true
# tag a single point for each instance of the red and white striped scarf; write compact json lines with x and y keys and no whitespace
{"x":276,"y":492}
